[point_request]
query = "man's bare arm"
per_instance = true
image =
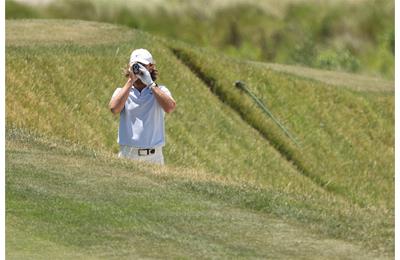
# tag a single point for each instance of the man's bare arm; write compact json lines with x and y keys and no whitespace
{"x":117,"y":103}
{"x":165,"y":101}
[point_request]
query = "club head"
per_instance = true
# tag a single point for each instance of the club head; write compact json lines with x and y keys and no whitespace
{"x":239,"y":84}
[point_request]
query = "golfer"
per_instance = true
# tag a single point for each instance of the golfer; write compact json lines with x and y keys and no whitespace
{"x":142,"y":105}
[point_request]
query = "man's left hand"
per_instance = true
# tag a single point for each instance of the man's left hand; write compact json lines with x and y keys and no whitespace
{"x":145,"y":76}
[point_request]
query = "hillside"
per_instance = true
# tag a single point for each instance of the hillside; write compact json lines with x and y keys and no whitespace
{"x":67,"y":203}
{"x":355,"y":36}
{"x":338,"y":185}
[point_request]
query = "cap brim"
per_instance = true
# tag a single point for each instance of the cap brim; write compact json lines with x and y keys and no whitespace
{"x":145,"y":62}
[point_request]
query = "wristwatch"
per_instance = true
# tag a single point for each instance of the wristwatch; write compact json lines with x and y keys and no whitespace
{"x":154,"y":85}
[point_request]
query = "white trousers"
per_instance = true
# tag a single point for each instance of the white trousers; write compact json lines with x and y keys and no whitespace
{"x":133,"y":153}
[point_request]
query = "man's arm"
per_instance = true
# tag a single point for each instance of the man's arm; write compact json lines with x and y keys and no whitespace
{"x":165,"y":101}
{"x":117,"y":103}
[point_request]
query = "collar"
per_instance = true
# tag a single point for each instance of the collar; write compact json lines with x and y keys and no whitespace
{"x":144,"y":91}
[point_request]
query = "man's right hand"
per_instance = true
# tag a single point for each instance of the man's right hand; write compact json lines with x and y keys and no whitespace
{"x":117,"y":102}
{"x":132,"y":77}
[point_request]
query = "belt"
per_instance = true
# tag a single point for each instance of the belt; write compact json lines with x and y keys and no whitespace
{"x":144,"y":152}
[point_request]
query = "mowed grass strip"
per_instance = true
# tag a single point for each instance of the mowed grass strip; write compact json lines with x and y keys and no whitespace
{"x":52,"y":32}
{"x":335,"y":78}
{"x":59,"y":204}
{"x":319,"y":213}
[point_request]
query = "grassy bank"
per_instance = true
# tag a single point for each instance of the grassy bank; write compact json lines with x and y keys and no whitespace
{"x":74,"y":203}
{"x":339,"y":129}
{"x":220,"y":149}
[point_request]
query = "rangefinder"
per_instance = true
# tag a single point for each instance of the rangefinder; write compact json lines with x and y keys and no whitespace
{"x":136,"y":68}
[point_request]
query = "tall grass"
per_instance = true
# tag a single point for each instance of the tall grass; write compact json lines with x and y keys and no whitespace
{"x":346,"y":141}
{"x":335,"y":35}
{"x":67,"y":96}
{"x":60,"y":86}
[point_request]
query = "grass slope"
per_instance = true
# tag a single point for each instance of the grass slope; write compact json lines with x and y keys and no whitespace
{"x":60,"y":86}
{"x":346,"y":136}
{"x":64,"y":203}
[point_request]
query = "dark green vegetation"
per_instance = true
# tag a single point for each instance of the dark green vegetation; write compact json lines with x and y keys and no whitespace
{"x":230,"y":167}
{"x":354,"y":36}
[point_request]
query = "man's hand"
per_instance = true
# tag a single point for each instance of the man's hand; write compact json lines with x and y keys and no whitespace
{"x":132,"y":76}
{"x":117,"y":103}
{"x":145,"y":76}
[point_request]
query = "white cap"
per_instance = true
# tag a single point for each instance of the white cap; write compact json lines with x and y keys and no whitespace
{"x":142,"y":56}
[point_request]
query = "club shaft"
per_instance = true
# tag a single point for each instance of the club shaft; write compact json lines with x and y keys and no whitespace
{"x":266,"y":110}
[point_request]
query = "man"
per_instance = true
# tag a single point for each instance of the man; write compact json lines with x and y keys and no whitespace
{"x":142,"y":105}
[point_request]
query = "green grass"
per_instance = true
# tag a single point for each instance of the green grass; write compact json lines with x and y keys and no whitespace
{"x":221,"y":151}
{"x":345,"y":139}
{"x":347,"y":35}
{"x":70,"y":203}
{"x":334,"y":78}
